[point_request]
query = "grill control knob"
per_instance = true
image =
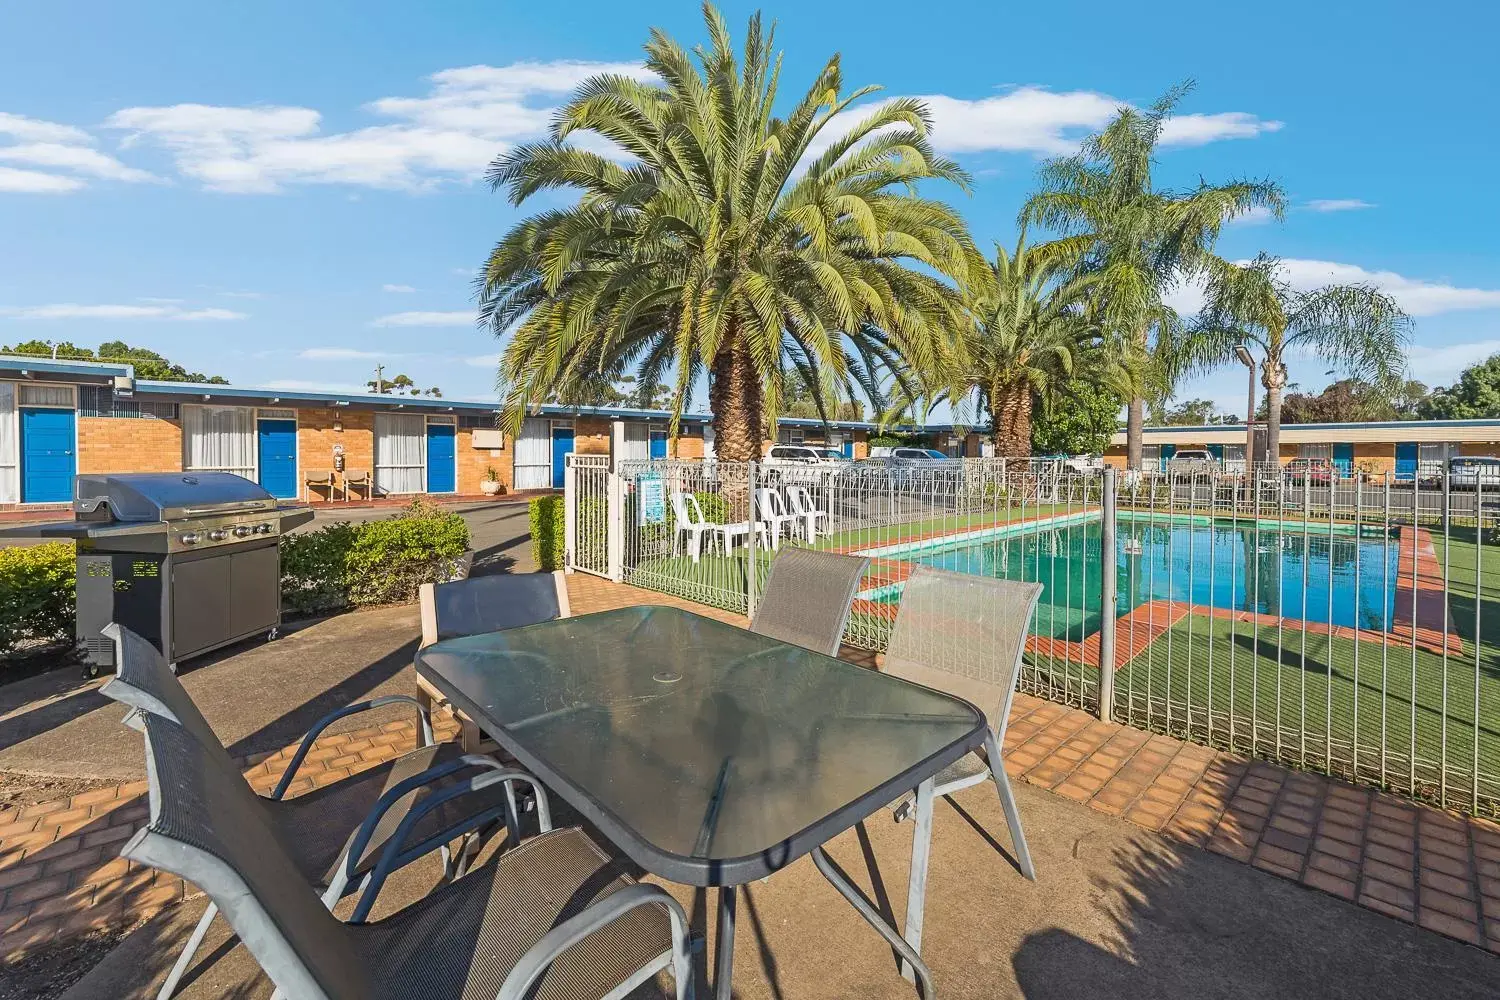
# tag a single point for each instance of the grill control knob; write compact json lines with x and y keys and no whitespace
{"x":190,"y":538}
{"x":241,"y":530}
{"x":217,"y":535}
{"x":262,"y":529}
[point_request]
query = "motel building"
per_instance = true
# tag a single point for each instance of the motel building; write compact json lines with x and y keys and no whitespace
{"x":60,"y":418}
{"x":1405,"y":449}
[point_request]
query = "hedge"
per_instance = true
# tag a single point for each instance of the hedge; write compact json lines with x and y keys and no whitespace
{"x":36,"y":595}
{"x":373,"y":562}
{"x":548,"y":532}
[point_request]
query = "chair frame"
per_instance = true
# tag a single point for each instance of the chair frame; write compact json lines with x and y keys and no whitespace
{"x":691,"y":522}
{"x":770,"y":510}
{"x":994,"y":740}
{"x":800,"y":503}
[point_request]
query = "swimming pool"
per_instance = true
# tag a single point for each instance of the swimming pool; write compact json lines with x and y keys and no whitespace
{"x":1240,"y":564}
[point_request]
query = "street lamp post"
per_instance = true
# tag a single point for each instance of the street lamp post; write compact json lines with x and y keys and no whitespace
{"x":1242,"y":352}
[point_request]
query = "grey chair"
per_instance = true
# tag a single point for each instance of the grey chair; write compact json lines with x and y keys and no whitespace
{"x":807,"y":597}
{"x":320,"y":827}
{"x":554,"y":918}
{"x":965,"y":634}
{"x":482,"y":604}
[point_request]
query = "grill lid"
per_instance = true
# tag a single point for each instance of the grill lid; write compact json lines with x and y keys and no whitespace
{"x":166,"y":496}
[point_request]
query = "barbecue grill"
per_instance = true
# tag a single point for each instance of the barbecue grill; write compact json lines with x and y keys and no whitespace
{"x":186,"y":560}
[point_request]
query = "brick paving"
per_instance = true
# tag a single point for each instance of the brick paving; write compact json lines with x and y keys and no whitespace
{"x":60,"y":877}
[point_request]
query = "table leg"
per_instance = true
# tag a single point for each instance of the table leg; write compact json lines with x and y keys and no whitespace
{"x":862,"y":906}
{"x":724,"y":945}
{"x":916,"y":893}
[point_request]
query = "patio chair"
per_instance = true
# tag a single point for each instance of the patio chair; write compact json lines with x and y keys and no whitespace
{"x":320,"y":826}
{"x":771,"y":512}
{"x":359,"y":479}
{"x":319,"y":479}
{"x":965,"y":634}
{"x":484,"y":604}
{"x":800,"y":501}
{"x":807,"y":598}
{"x":554,"y":918}
{"x":690,"y":522}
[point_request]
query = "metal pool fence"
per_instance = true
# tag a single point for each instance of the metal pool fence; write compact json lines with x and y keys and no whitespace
{"x":1336,"y":622}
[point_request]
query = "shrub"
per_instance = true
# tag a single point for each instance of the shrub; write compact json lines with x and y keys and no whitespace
{"x":548,"y":532}
{"x":375,"y":562}
{"x":36,"y":594}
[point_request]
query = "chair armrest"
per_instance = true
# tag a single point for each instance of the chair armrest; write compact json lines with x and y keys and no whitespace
{"x":394,"y":857}
{"x":559,"y":939}
{"x":332,"y":717}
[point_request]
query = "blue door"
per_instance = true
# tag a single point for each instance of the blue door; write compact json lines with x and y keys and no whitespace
{"x":1217,"y":451}
{"x":658,"y":444}
{"x":276,"y":442}
{"x":1343,"y":459}
{"x":848,"y":447}
{"x":1406,"y":461}
{"x":562,"y":447}
{"x":47,"y":460}
{"x":442,"y":474}
{"x":1167,"y":451}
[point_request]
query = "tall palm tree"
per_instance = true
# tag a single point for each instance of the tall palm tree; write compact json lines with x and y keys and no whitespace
{"x":731,"y":242}
{"x":1144,"y":239}
{"x":1032,"y":332}
{"x":1358,"y":329}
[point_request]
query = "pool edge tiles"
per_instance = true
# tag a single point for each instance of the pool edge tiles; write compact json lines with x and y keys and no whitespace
{"x":1005,"y":530}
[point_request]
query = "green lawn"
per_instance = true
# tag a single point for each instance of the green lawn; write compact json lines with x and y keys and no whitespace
{"x":949,"y":524}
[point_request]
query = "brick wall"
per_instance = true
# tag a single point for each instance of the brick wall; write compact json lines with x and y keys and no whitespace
{"x":1374,"y":457}
{"x":861,"y":444}
{"x":316,"y":437}
{"x":473,"y":463}
{"x":591,"y":436}
{"x":689,"y":444}
{"x":129,"y":444}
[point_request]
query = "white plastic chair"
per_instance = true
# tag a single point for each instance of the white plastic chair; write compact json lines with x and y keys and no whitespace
{"x":800,"y":500}
{"x":771,"y":512}
{"x":690,"y":522}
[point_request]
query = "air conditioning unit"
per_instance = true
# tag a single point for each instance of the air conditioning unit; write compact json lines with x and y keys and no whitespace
{"x":489,"y":437}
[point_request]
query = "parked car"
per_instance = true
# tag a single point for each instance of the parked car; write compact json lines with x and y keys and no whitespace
{"x":1084,"y":463}
{"x":1315,"y":471}
{"x":803,"y":454}
{"x":1192,"y":462}
{"x":920,"y":455}
{"x":1472,"y":472}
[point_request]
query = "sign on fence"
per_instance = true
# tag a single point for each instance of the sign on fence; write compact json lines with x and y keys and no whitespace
{"x":653,"y":506}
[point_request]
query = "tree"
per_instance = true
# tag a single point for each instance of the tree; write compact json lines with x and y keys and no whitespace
{"x":1349,"y":401}
{"x":1085,"y":419}
{"x":1357,"y":329}
{"x":731,"y":242}
{"x":1476,"y":394}
{"x":147,"y":363}
{"x":1141,"y":240}
{"x":1190,"y":413}
{"x":400,"y":385}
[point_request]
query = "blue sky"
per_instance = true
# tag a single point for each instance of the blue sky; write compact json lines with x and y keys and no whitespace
{"x":288,"y":193}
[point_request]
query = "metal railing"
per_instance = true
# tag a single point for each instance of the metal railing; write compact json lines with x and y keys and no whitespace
{"x":586,"y":489}
{"x":1335,"y":622}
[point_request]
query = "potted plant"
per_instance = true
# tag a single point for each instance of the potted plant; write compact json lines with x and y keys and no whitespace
{"x":491,"y":485}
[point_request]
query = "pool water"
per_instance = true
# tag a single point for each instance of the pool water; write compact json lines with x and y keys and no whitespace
{"x":1316,"y":577}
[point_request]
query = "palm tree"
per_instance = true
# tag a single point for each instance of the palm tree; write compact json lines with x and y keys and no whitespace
{"x":1358,"y":329}
{"x":731,"y":242}
{"x":1144,"y":240}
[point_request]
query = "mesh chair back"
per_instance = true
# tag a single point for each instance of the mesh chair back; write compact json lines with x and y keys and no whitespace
{"x":491,"y":603}
{"x":143,"y":680}
{"x":220,"y":841}
{"x":963,"y":634}
{"x":807,"y":597}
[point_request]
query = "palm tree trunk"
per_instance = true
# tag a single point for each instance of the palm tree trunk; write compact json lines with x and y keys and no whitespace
{"x":1273,"y":377}
{"x":1010,"y":416}
{"x":1135,"y":425}
{"x":734,"y":397}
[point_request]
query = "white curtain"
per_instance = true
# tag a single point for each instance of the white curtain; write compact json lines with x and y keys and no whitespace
{"x":219,"y":439}
{"x":400,"y":453}
{"x":47,"y":395}
{"x":637,"y":442}
{"x":534,"y":454}
{"x":10,"y":489}
{"x":708,"y":441}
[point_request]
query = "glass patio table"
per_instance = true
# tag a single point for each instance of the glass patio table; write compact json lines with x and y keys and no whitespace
{"x":710,"y":755}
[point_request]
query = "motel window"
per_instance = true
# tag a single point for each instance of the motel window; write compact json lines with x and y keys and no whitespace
{"x":1150,"y":456}
{"x":60,"y":396}
{"x":533,"y":461}
{"x":400,"y":452}
{"x":219,"y":439}
{"x":1323,"y":451}
{"x":637,"y":444}
{"x":10,"y":480}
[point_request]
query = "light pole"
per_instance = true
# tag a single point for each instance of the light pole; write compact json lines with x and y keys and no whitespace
{"x":1242,"y":352}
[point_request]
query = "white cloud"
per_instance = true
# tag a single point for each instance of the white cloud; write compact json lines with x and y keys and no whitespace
{"x":483,"y":361}
{"x":36,"y":182}
{"x":338,"y":354}
{"x":307,"y":385}
{"x":1442,"y":365}
{"x":1417,"y":296}
{"x":55,"y":147}
{"x":1258,"y":215}
{"x":461,"y":317}
{"x":243,"y":295}
{"x":158,"y":300}
{"x":470,"y":115}
{"x":1036,"y":120}
{"x":1337,"y":204}
{"x":70,"y":310}
{"x":399,"y":289}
